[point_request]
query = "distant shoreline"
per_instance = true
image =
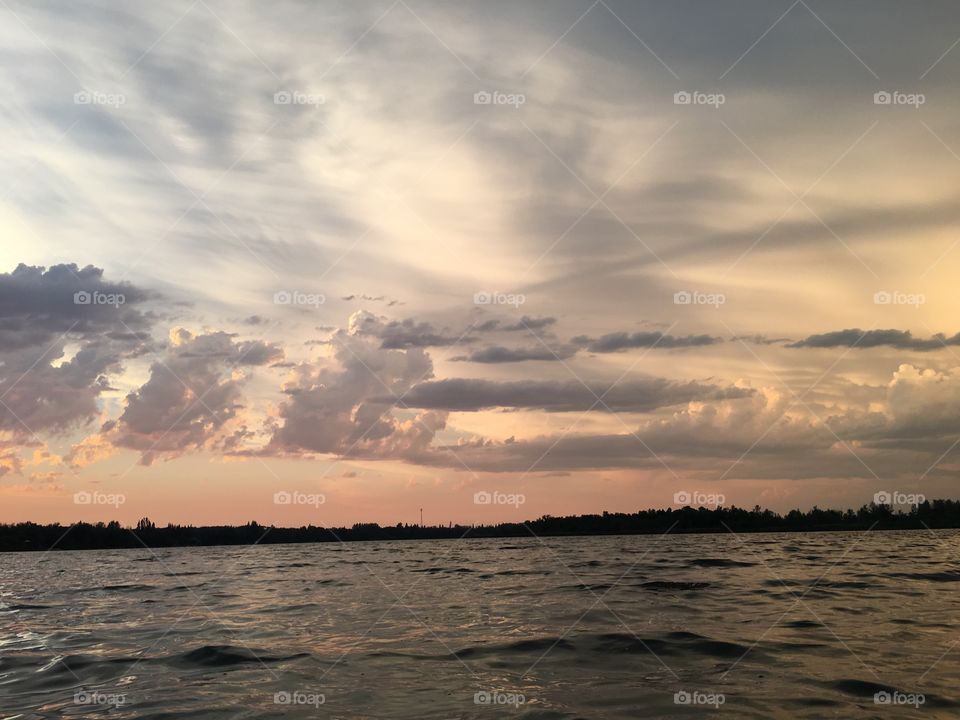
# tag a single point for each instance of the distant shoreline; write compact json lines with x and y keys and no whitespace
{"x":929,"y":515}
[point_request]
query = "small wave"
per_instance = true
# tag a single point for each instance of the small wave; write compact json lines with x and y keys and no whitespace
{"x":227,"y":655}
{"x":27,"y":606}
{"x":804,"y":624}
{"x":943,"y":576}
{"x":584,"y":586}
{"x":719,"y":562}
{"x":867,"y":689}
{"x":669,"y":585}
{"x":537,"y":645}
{"x":707,"y":646}
{"x":836,"y":584}
{"x":129,"y":587}
{"x":679,"y":643}
{"x":860,"y":688}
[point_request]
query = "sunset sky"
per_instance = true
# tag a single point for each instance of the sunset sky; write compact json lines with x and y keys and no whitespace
{"x":318,"y":261}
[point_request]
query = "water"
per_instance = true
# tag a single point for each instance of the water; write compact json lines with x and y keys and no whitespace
{"x":771,"y":625}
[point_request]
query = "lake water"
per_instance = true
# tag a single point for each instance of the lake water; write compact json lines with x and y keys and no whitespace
{"x":770,"y":625}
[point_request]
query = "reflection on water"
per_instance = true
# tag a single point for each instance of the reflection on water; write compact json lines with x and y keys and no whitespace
{"x":771,"y":625}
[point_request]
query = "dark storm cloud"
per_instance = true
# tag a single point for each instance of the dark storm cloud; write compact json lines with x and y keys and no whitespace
{"x":615,"y":342}
{"x":463,"y":394}
{"x":863,"y":339}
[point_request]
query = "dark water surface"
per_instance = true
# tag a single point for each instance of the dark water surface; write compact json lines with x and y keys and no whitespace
{"x":842,"y":625}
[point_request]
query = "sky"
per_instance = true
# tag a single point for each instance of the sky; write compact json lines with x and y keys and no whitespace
{"x":322,"y":263}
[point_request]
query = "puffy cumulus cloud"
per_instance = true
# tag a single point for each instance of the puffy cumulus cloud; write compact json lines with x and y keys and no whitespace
{"x":925,"y":400}
{"x":920,"y":412}
{"x":905,"y":432}
{"x":90,"y":450}
{"x":37,"y":304}
{"x":63,"y":332}
{"x":39,"y":466}
{"x":344,"y":405}
{"x":10,"y":461}
{"x":863,"y":339}
{"x":468,"y":394}
{"x":619,"y":341}
{"x":193,"y":395}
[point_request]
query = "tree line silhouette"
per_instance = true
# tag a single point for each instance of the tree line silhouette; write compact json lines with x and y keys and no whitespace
{"x":87,"y":536}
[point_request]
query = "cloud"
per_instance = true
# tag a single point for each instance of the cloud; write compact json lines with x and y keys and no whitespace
{"x":864,"y":339}
{"x":921,"y":411}
{"x":90,"y":450}
{"x":619,"y":341}
{"x":63,"y":332}
{"x":343,"y":405}
{"x":402,"y":334}
{"x":767,"y":434}
{"x":529,"y":324}
{"x":193,"y":394}
{"x":759,"y":339}
{"x":499,"y":354}
{"x":37,"y":304}
{"x":470,"y":395}
{"x":695,"y":439}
